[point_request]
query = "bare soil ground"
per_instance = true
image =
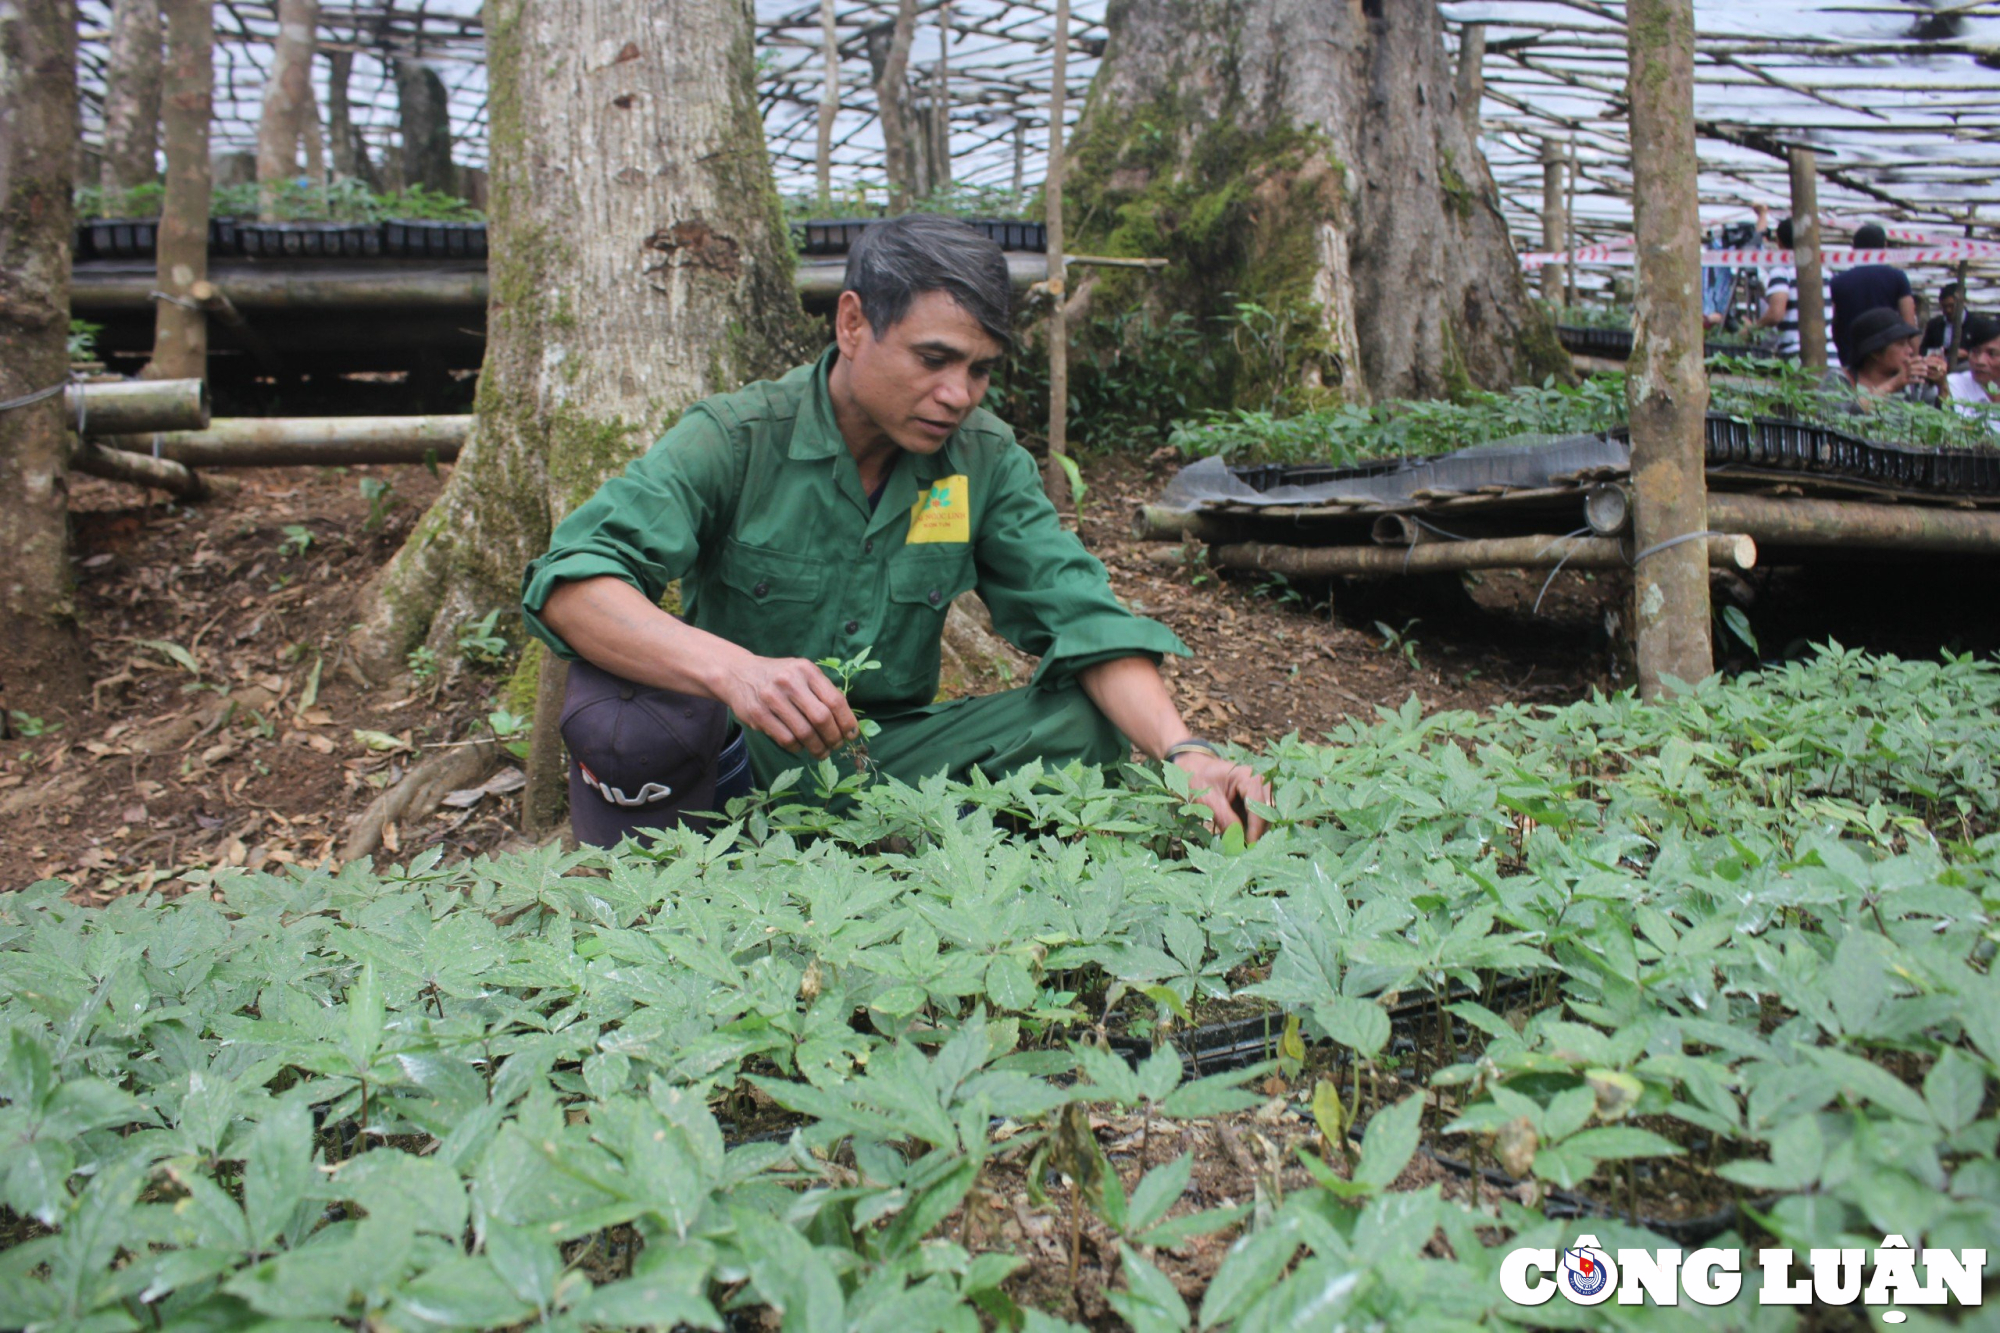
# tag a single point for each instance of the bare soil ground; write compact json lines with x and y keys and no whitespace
{"x":222,"y":729}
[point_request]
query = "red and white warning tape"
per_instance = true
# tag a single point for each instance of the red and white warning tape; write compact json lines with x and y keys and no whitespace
{"x":1939,"y":250}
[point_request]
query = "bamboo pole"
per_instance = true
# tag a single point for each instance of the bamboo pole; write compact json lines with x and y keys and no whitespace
{"x":310,"y":441}
{"x":1056,"y":479}
{"x":129,"y":406}
{"x":364,"y":285}
{"x":180,"y":328}
{"x":161,"y":474}
{"x":1811,"y":288}
{"x":1849,"y":524}
{"x":1542,"y":551}
{"x":1667,"y":388}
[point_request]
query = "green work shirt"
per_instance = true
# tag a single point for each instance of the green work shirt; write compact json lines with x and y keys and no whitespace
{"x":755,"y":503}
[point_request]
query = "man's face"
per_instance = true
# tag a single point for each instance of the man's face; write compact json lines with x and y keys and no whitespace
{"x":1948,"y":305}
{"x":923,"y":375}
{"x":1985,"y":361}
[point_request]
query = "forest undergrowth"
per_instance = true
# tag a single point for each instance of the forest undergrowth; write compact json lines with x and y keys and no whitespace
{"x":1713,"y":972}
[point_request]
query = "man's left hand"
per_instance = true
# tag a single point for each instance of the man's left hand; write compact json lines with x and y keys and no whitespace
{"x":1227,"y":789}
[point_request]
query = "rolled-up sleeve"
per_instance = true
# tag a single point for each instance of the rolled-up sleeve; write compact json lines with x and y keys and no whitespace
{"x":1049,"y":596}
{"x":646,"y":526}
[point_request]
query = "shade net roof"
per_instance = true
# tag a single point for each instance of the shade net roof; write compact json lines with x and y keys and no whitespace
{"x":1900,"y":98}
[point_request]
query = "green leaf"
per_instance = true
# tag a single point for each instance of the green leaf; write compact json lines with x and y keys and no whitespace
{"x":646,"y":1302}
{"x":1008,"y":984}
{"x":1389,"y":1142}
{"x":1159,"y":1191}
{"x":1359,"y":1025}
{"x":1954,"y":1089}
{"x":463,"y":1292}
{"x":1218,"y":1094}
{"x":1149,"y":1303}
{"x":278,"y":1175}
{"x":1248,"y":1270}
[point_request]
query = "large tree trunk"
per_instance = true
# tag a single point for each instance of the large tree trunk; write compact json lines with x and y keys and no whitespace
{"x":132,"y":100}
{"x":39,"y":656}
{"x":180,"y":326}
{"x":639,"y":263}
{"x":291,"y":115}
{"x":1306,"y":156}
{"x":425,"y":112}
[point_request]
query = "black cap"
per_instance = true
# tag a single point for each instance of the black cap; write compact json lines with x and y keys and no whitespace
{"x":641,"y":755}
{"x":1875,"y":329}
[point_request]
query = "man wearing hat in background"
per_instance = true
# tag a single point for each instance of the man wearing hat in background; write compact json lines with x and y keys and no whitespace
{"x":836,"y":512}
{"x":1882,"y":360}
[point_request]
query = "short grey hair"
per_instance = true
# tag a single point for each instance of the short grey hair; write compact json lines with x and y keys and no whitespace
{"x":899,"y":259}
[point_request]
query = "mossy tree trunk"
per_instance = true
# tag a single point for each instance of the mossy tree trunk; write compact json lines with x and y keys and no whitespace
{"x":39,"y":655}
{"x":639,"y":263}
{"x":1330,"y":182}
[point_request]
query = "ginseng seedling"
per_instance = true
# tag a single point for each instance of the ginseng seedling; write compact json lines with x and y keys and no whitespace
{"x":843,"y":673}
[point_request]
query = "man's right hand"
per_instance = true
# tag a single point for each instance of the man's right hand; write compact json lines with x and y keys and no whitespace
{"x":791,"y":701}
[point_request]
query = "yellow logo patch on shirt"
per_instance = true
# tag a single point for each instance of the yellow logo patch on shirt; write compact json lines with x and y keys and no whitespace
{"x":943,"y":513}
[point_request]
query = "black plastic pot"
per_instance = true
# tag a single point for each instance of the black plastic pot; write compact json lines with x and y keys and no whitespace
{"x":124,"y":238}
{"x":420,"y":239}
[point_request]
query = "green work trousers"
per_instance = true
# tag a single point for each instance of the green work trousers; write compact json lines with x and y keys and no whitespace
{"x":995,"y":733}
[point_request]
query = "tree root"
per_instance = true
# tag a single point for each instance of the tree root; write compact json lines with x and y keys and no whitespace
{"x":420,"y":792}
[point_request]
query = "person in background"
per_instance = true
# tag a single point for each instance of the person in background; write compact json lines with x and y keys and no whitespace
{"x":1866,"y":287}
{"x":1938,"y":332}
{"x":1883,"y":362}
{"x":1976,"y":389}
{"x":1781,"y":301}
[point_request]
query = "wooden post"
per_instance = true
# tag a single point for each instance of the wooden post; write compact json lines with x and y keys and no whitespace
{"x":1055,"y":479}
{"x":1811,"y":289}
{"x":1020,"y":156}
{"x":829,"y":102}
{"x":1569,"y":226}
{"x":1555,"y":220}
{"x":1471,"y":74}
{"x":941,"y":104}
{"x":180,"y":326}
{"x":1666,"y":386}
{"x":1956,"y":352}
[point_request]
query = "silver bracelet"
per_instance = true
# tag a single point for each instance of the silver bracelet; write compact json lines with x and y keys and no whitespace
{"x":1190,"y":746}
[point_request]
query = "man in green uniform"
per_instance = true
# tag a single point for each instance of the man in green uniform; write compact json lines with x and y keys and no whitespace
{"x":840,"y":507}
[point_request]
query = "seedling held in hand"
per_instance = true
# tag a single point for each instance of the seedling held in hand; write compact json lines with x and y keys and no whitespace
{"x":843,"y":673}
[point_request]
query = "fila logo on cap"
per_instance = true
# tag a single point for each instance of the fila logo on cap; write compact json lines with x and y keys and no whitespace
{"x":651,"y":792}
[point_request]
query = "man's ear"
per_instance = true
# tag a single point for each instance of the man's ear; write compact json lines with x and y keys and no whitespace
{"x":850,"y":325}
